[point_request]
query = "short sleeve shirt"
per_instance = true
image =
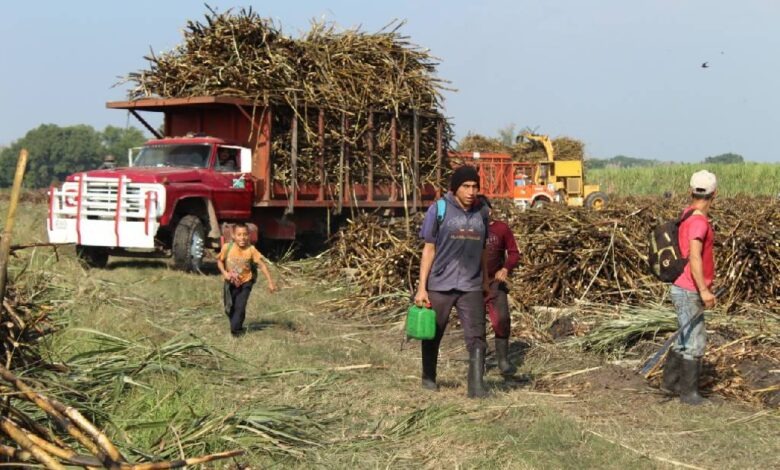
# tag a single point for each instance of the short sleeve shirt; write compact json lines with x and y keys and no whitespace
{"x":696,"y":227}
{"x":459,"y":240}
{"x":239,"y":260}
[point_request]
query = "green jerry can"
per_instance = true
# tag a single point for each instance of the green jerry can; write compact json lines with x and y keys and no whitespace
{"x":420,"y":323}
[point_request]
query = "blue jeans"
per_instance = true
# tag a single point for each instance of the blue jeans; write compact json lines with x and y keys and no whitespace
{"x":693,"y":336}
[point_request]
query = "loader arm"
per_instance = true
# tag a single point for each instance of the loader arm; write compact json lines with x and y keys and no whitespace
{"x":546,"y":143}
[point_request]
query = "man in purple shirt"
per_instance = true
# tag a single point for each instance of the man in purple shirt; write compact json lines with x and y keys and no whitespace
{"x":453,"y":273}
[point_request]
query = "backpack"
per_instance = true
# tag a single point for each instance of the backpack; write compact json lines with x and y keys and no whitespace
{"x":663,"y":255}
{"x":252,"y":265}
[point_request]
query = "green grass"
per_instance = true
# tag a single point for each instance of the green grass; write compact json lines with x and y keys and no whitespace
{"x":291,"y":373}
{"x":733,"y":179}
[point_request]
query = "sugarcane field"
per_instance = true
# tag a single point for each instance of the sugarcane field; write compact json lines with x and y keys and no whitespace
{"x":300,"y":250}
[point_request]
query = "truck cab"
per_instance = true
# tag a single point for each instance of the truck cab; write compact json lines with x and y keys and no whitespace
{"x":133,"y":209}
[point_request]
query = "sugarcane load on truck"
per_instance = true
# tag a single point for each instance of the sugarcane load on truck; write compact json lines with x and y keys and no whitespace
{"x":303,"y":142}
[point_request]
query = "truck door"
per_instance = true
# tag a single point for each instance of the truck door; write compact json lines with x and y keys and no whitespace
{"x":231,"y":189}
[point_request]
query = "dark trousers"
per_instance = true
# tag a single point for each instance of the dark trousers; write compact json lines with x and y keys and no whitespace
{"x":235,"y":304}
{"x":497,"y":306}
{"x":470,"y":307}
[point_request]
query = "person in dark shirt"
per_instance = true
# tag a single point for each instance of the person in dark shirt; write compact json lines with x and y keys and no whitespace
{"x":502,"y":257}
{"x":453,"y":274}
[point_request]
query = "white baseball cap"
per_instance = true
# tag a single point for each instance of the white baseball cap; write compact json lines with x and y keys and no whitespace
{"x":703,"y":182}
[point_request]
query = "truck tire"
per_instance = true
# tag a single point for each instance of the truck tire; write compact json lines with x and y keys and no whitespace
{"x":540,"y":202}
{"x":596,"y":201}
{"x":92,"y":256}
{"x":189,"y":239}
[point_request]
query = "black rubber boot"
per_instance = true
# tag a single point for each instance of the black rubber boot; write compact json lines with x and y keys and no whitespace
{"x":690,"y":369}
{"x":671,"y":378}
{"x":430,"y":355}
{"x":502,"y":353}
{"x":476,"y":388}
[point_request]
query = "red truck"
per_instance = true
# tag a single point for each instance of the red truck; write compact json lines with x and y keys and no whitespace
{"x":179,"y":194}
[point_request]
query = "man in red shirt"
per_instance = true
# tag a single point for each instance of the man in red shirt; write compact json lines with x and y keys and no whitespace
{"x":502,"y":257}
{"x":692,"y":292}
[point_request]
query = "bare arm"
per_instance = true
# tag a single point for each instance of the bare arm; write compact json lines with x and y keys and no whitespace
{"x":264,"y":268}
{"x":697,"y":272}
{"x":426,"y":262}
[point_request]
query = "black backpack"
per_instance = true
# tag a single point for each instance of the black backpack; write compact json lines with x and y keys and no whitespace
{"x":663,"y":253}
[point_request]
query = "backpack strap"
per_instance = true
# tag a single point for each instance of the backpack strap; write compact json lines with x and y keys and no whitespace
{"x":441,"y":210}
{"x":685,"y":216}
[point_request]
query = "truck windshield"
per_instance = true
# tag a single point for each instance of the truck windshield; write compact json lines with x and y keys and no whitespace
{"x":191,"y":155}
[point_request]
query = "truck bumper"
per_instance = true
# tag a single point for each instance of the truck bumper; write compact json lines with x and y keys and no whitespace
{"x":106,"y":212}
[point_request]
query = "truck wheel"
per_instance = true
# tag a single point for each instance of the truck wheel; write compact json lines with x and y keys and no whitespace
{"x":539,"y":203}
{"x":596,"y":201}
{"x":188,"y":241}
{"x":92,"y":256}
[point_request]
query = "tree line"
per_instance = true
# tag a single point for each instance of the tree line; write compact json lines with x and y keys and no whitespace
{"x":622,"y":161}
{"x":56,"y":152}
{"x":509,"y":134}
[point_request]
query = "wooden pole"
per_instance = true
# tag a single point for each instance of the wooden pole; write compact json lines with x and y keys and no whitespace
{"x":393,"y":157}
{"x":370,"y":157}
{"x":5,"y":242}
{"x":294,"y":156}
{"x":342,"y":150}
{"x":439,"y":154}
{"x":347,"y":179}
{"x":321,"y":153}
{"x":415,"y":162}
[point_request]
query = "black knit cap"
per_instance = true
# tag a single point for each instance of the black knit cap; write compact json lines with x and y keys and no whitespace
{"x":461,"y":175}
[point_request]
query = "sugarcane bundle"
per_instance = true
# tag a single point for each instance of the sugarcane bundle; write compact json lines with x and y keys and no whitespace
{"x":480,"y":143}
{"x":573,"y":254}
{"x":378,"y":254}
{"x":349,"y":74}
{"x":565,"y":148}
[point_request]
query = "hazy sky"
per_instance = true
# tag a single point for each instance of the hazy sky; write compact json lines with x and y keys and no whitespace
{"x":624,"y":76}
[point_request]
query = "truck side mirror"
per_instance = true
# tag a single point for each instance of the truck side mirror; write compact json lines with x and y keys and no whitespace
{"x":246,"y":160}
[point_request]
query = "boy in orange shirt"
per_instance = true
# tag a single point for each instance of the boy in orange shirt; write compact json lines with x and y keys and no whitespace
{"x":236,"y":268}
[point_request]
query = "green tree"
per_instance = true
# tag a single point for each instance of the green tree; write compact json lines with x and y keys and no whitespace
{"x":55,"y":152}
{"x":117,"y":140}
{"x":725,"y":158}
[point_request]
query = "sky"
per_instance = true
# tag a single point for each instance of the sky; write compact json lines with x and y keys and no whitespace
{"x":625,"y":77}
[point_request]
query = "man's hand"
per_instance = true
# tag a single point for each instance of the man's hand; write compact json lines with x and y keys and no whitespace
{"x":486,"y":289}
{"x":421,"y":298}
{"x":501,"y":275}
{"x":271,"y":287}
{"x":708,"y":298}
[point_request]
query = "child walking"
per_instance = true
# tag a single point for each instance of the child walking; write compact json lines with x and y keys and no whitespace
{"x":237,"y":262}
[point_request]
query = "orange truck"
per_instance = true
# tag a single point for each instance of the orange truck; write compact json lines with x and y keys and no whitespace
{"x":533,"y":184}
{"x":503,"y":178}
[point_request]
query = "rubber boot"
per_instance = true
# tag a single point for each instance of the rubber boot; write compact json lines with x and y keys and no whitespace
{"x":430,"y":355}
{"x":690,"y":369}
{"x":670,"y":382}
{"x":476,"y":388}
{"x":502,"y":353}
